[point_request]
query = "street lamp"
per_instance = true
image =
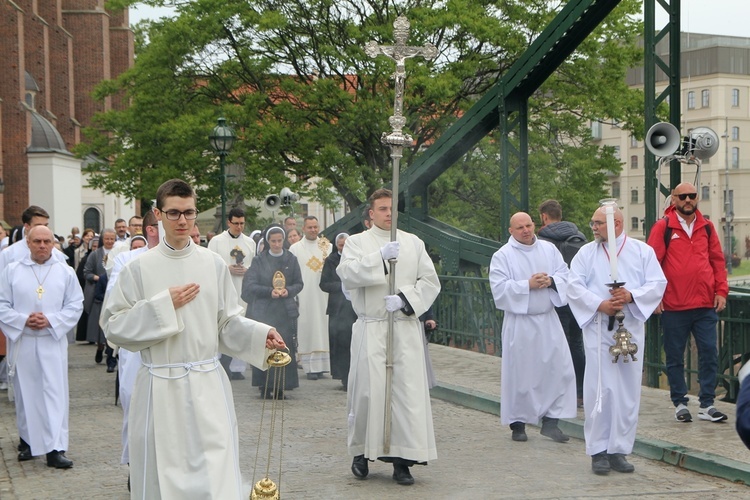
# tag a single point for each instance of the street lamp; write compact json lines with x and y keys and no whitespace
{"x":222,"y":139}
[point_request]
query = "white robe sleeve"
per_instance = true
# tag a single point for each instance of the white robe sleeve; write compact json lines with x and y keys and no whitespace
{"x":358,"y":268}
{"x":137,"y":323}
{"x":647,"y":296}
{"x":583,"y":302}
{"x":510,"y":295}
{"x":423,"y":293}
{"x":11,"y":320}
{"x":64,"y":320}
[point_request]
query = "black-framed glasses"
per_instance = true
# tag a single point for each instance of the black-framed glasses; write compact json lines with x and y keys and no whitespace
{"x":175,"y":214}
{"x":684,"y":196}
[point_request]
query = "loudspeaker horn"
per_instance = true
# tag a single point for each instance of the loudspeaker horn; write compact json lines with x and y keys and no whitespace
{"x":663,"y":139}
{"x":288,"y":196}
{"x":272,"y":202}
{"x":704,"y":143}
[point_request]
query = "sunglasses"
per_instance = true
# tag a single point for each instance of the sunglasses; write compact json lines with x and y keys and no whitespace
{"x":682,"y":197}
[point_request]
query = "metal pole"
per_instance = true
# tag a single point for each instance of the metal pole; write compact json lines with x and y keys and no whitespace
{"x":396,"y":140}
{"x":222,"y":162}
{"x":727,"y":206}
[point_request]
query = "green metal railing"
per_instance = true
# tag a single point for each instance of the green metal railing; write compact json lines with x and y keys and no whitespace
{"x":468,"y":319}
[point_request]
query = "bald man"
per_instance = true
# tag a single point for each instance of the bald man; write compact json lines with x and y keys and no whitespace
{"x":40,"y":302}
{"x":689,"y":251}
{"x":529,"y":278}
{"x":612,"y":391}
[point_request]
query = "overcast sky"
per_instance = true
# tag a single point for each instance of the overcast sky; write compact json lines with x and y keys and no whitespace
{"x":716,"y":17}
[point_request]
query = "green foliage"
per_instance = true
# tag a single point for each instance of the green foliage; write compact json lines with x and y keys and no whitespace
{"x":308,"y":103}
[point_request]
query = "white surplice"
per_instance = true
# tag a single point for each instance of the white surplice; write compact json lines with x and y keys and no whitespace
{"x":128,"y":362}
{"x":312,"y":331}
{"x":239,"y":250}
{"x":537,"y":378}
{"x":612,"y":391}
{"x":183,"y":428}
{"x":40,"y":357}
{"x":363,"y":274}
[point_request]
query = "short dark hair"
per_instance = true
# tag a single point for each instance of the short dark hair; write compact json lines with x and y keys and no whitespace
{"x":379,"y":194}
{"x":120,"y":220}
{"x":149,"y":219}
{"x":33,"y":211}
{"x":366,"y":213}
{"x":137,"y":217}
{"x":235,"y":212}
{"x":173,"y":187}
{"x":290,"y":217}
{"x":309,"y":217}
{"x":552,"y":209}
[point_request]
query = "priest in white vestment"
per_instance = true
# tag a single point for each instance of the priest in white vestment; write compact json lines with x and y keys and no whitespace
{"x":237,"y":250}
{"x":612,"y":391}
{"x":176,"y":304}
{"x":529,"y":279}
{"x":312,"y":330}
{"x":364,"y":274}
{"x":40,"y":302}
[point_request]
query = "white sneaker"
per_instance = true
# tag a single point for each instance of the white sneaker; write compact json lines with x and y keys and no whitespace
{"x":682,"y":414}
{"x":711,"y":414}
{"x":3,"y":386}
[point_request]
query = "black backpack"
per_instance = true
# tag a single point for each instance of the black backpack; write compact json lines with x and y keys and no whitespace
{"x":570,"y":246}
{"x":668,"y":232}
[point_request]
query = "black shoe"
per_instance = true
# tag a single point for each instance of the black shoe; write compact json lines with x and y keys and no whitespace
{"x":58,"y":460}
{"x":22,"y":445}
{"x":360,"y":468}
{"x":99,"y":355}
{"x":25,"y":454}
{"x":402,"y":475}
{"x":552,"y":431}
{"x":312,"y":376}
{"x":110,"y":369}
{"x":619,"y":464}
{"x":236,"y":376}
{"x":600,"y":463}
{"x":519,"y":431}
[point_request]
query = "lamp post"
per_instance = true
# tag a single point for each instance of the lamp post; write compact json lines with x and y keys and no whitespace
{"x":222,"y":139}
{"x":728,"y":213}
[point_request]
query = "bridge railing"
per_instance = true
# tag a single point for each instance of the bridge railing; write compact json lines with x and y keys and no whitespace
{"x":468,"y":319}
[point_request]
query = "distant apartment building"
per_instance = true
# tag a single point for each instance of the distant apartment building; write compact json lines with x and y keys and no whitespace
{"x":715,"y":93}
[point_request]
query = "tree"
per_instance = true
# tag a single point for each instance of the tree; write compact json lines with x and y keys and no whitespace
{"x":293,"y":79}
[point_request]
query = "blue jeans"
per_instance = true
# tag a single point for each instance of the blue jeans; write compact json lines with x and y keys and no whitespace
{"x":677,"y":326}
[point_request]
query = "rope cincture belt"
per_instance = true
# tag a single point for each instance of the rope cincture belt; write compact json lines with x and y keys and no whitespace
{"x":188,"y":367}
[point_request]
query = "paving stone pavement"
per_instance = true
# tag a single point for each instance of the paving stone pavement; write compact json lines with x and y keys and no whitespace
{"x":476,"y":457}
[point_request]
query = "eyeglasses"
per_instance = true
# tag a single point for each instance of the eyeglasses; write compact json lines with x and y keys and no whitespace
{"x":682,"y":197}
{"x":175,"y":214}
{"x":596,"y":223}
{"x":241,"y":223}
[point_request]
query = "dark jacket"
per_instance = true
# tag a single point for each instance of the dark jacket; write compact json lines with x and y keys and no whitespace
{"x":559,"y":231}
{"x":694,"y":267}
{"x":331,"y":284}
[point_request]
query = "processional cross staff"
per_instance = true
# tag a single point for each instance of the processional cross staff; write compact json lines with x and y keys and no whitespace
{"x":396,"y":139}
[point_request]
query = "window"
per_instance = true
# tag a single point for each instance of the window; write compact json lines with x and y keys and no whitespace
{"x":633,"y":142}
{"x":596,"y":130}
{"x":92,"y":218}
{"x":616,"y":190}
{"x":735,"y":133}
{"x":704,"y":98}
{"x":735,"y":98}
{"x":706,"y":193}
{"x":634,"y":223}
{"x":691,"y":100}
{"x":735,"y":157}
{"x":616,"y":152}
{"x":634,"y":196}
{"x":634,"y":161}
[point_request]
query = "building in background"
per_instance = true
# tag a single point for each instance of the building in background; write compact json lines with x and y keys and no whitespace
{"x":54,"y":52}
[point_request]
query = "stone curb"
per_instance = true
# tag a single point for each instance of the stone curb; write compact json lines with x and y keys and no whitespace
{"x":654,"y":449}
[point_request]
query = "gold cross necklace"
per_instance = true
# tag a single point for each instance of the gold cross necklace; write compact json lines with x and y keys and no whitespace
{"x":40,"y":288}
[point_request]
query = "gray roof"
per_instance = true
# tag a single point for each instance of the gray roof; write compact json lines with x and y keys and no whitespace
{"x":44,"y":136}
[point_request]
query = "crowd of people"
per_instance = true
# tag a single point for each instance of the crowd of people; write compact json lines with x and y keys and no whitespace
{"x":178,"y":318}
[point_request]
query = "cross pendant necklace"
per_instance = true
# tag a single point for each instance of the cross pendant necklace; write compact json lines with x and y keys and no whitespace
{"x":40,"y":288}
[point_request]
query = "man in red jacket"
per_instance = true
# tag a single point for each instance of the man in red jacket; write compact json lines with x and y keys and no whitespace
{"x":688,"y":248}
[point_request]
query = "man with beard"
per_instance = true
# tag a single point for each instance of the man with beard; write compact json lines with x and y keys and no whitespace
{"x":690,"y":254}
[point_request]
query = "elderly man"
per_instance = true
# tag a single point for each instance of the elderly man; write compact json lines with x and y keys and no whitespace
{"x":311,"y":253}
{"x":612,"y":391}
{"x":121,"y":231}
{"x":176,"y":304}
{"x":689,"y":251}
{"x":40,"y":302}
{"x":529,"y":278}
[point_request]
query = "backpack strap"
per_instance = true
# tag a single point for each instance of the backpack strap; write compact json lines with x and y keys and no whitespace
{"x":668,"y":232}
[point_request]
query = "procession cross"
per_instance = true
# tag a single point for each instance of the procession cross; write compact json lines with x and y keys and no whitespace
{"x":396,"y":139}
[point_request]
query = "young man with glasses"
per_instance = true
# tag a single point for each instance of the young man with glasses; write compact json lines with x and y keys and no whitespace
{"x":689,"y":251}
{"x":237,"y":250}
{"x":176,"y":304}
